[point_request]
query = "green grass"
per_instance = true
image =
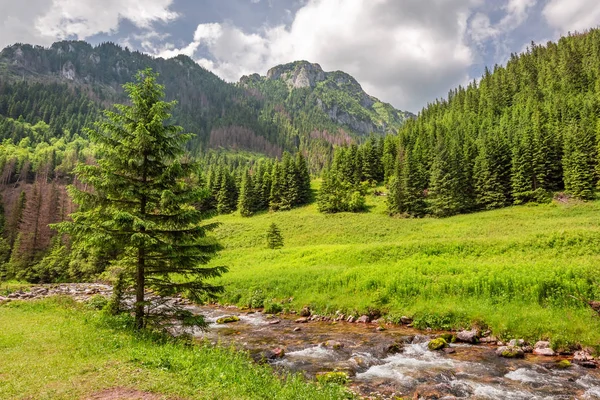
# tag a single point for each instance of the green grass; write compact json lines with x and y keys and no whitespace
{"x":56,"y":349}
{"x":514,"y":269}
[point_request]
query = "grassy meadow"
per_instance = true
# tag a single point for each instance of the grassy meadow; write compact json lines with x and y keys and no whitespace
{"x":57,"y":349}
{"x":514,"y":270}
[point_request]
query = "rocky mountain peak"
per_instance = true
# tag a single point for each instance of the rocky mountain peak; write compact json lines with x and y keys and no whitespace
{"x":298,"y":74}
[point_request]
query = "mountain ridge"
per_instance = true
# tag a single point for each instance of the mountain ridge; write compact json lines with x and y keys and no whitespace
{"x":335,"y":109}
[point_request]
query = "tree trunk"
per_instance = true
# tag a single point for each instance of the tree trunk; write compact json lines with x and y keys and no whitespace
{"x":141,"y":265}
{"x":139,"y":293}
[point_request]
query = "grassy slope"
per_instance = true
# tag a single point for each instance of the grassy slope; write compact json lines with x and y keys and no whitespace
{"x":53,"y":349}
{"x":513,"y":269}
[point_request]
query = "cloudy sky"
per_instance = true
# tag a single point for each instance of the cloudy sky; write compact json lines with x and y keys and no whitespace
{"x":406,"y":52}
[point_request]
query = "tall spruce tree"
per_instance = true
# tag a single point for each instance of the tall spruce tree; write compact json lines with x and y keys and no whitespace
{"x":579,"y":162}
{"x":247,"y":199}
{"x":141,"y":199}
{"x":227,"y":194}
{"x":304,"y":193}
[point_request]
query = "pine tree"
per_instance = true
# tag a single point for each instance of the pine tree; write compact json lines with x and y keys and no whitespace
{"x":274,"y":237}
{"x":227,"y":194}
{"x":142,"y":200}
{"x":444,"y":190}
{"x":304,"y":193}
{"x":247,"y":199}
{"x":579,"y":162}
{"x":277,"y":187}
{"x":290,"y":183}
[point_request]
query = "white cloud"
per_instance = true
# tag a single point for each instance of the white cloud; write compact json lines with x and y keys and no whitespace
{"x":572,"y":15}
{"x":44,"y":21}
{"x":402,"y":52}
{"x":516,"y":12}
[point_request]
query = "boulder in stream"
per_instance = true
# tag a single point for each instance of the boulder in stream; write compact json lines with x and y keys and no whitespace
{"x":301,"y":320}
{"x":334,"y":344}
{"x":542,"y":348}
{"x":228,"y":319}
{"x":437,"y":344}
{"x":510,"y":352}
{"x":395,"y":348}
{"x":467,"y":336}
{"x":363,"y":319}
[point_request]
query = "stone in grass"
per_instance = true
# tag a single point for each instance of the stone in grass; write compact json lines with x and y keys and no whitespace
{"x":228,"y":319}
{"x":437,"y":344}
{"x":510,"y":352}
{"x":335,"y":377}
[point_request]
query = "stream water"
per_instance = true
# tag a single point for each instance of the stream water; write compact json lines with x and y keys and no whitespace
{"x":473,"y":372}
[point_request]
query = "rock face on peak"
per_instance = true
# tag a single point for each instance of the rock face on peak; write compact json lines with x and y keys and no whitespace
{"x":301,"y":88}
{"x":298,"y":75}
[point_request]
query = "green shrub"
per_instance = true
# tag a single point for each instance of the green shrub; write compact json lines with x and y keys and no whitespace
{"x":96,"y":302}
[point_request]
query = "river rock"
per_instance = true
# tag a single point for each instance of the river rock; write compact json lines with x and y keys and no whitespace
{"x":274,"y":322}
{"x":544,"y":352}
{"x":350,"y":319}
{"x":395,"y":348}
{"x":527,"y":348}
{"x":228,"y":319}
{"x":449,"y":350}
{"x":439,"y":391}
{"x":437,"y":344}
{"x":542,"y":348}
{"x":488,"y":340}
{"x":334,"y":344}
{"x":378,"y":329}
{"x":515,"y":342}
{"x":301,"y":320}
{"x":467,"y":336}
{"x":305,"y":312}
{"x":406,"y":320}
{"x":297,"y":329}
{"x":581,"y":356}
{"x":510,"y":352}
{"x":272,"y":354}
{"x":363,"y":319}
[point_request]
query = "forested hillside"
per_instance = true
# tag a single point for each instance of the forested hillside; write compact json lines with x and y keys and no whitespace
{"x":523,"y":133}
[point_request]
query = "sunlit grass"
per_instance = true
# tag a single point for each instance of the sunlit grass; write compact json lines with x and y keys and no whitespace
{"x":515,"y":269}
{"x":55,"y":349}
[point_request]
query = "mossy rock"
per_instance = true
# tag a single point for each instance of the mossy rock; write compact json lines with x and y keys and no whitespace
{"x":448,"y":337}
{"x":228,"y":319}
{"x":512,"y":352}
{"x":335,"y":377}
{"x":563,"y":364}
{"x":437,"y":344}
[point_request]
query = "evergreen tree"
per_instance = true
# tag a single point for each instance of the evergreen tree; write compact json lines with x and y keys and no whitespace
{"x":304,"y":193}
{"x":277,"y":187}
{"x":227,"y":194}
{"x":444,"y":190}
{"x":247,"y":200}
{"x":579,"y":162}
{"x":274,"y":237}
{"x":290,"y":179}
{"x":142,"y":201}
